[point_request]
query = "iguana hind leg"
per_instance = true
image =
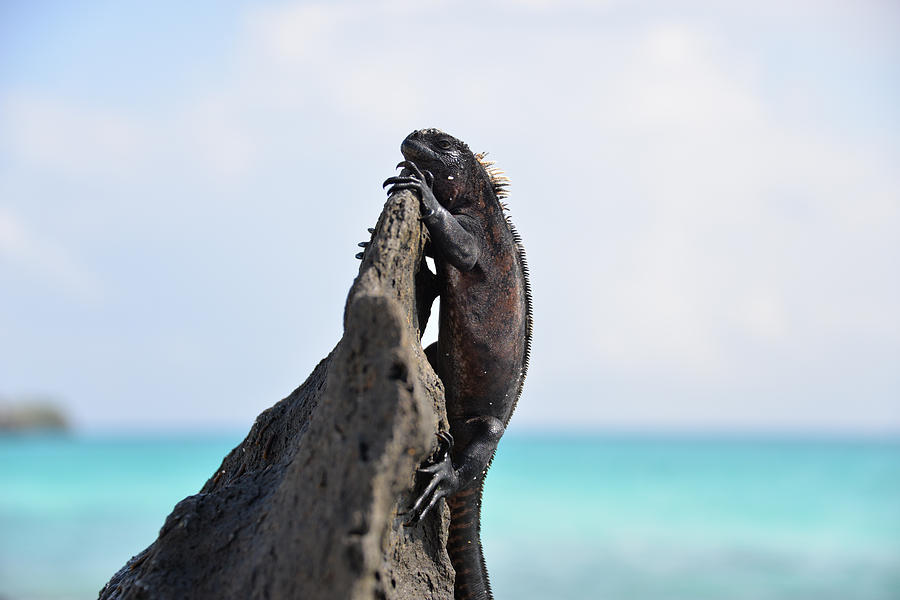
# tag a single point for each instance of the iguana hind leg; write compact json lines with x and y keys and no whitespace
{"x":463,"y":464}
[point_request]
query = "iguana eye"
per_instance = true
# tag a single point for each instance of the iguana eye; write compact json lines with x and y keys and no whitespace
{"x":444,"y":144}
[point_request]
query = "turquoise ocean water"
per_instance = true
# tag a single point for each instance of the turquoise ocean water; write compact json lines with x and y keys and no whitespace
{"x":566,"y":517}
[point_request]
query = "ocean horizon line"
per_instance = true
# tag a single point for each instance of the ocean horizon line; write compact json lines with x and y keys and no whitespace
{"x":554,"y":433}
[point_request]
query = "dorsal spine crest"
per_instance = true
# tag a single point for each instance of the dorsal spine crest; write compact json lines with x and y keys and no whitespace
{"x":499,"y":180}
{"x":499,"y":183}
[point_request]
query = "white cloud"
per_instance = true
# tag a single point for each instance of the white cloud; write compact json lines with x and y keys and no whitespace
{"x":675,"y":80}
{"x":298,"y":58}
{"x":555,"y":6}
{"x":76,"y":140}
{"x":210,"y":135}
{"x":297,"y":32}
{"x":115,"y":144}
{"x":762,"y":315}
{"x":42,"y":257}
{"x":709,"y":267}
{"x":725,"y":223}
{"x":719,"y":253}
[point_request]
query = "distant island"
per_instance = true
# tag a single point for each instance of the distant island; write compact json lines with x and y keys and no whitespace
{"x":31,"y":414}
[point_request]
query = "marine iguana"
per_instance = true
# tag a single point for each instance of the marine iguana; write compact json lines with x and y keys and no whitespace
{"x":484,"y":337}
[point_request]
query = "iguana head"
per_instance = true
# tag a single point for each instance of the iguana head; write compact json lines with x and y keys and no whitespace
{"x":457,"y":172}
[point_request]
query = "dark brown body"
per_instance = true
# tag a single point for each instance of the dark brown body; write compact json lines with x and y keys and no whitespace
{"x":481,"y":352}
{"x":481,"y":340}
{"x":484,"y":335}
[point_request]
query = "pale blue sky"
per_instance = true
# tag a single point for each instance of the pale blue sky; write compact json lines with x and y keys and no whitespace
{"x":708,"y":192}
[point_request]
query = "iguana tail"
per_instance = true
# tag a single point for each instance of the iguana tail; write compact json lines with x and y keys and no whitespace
{"x":464,"y":546}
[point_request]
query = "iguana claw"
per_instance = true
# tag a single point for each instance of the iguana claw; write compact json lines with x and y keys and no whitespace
{"x":423,"y":175}
{"x":444,"y":481}
{"x":418,"y":181}
{"x":364,"y":245}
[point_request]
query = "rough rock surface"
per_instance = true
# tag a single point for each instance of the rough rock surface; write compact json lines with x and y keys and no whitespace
{"x":307,"y":505}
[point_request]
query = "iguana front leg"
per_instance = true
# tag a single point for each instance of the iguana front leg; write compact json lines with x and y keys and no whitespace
{"x":451,"y":234}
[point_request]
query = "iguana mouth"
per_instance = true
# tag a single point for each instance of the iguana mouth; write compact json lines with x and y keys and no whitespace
{"x":415,"y":149}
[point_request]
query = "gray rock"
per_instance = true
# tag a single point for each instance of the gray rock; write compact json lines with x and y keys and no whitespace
{"x":307,"y":505}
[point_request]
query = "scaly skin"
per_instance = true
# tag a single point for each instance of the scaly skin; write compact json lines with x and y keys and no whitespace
{"x":484,"y":336}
